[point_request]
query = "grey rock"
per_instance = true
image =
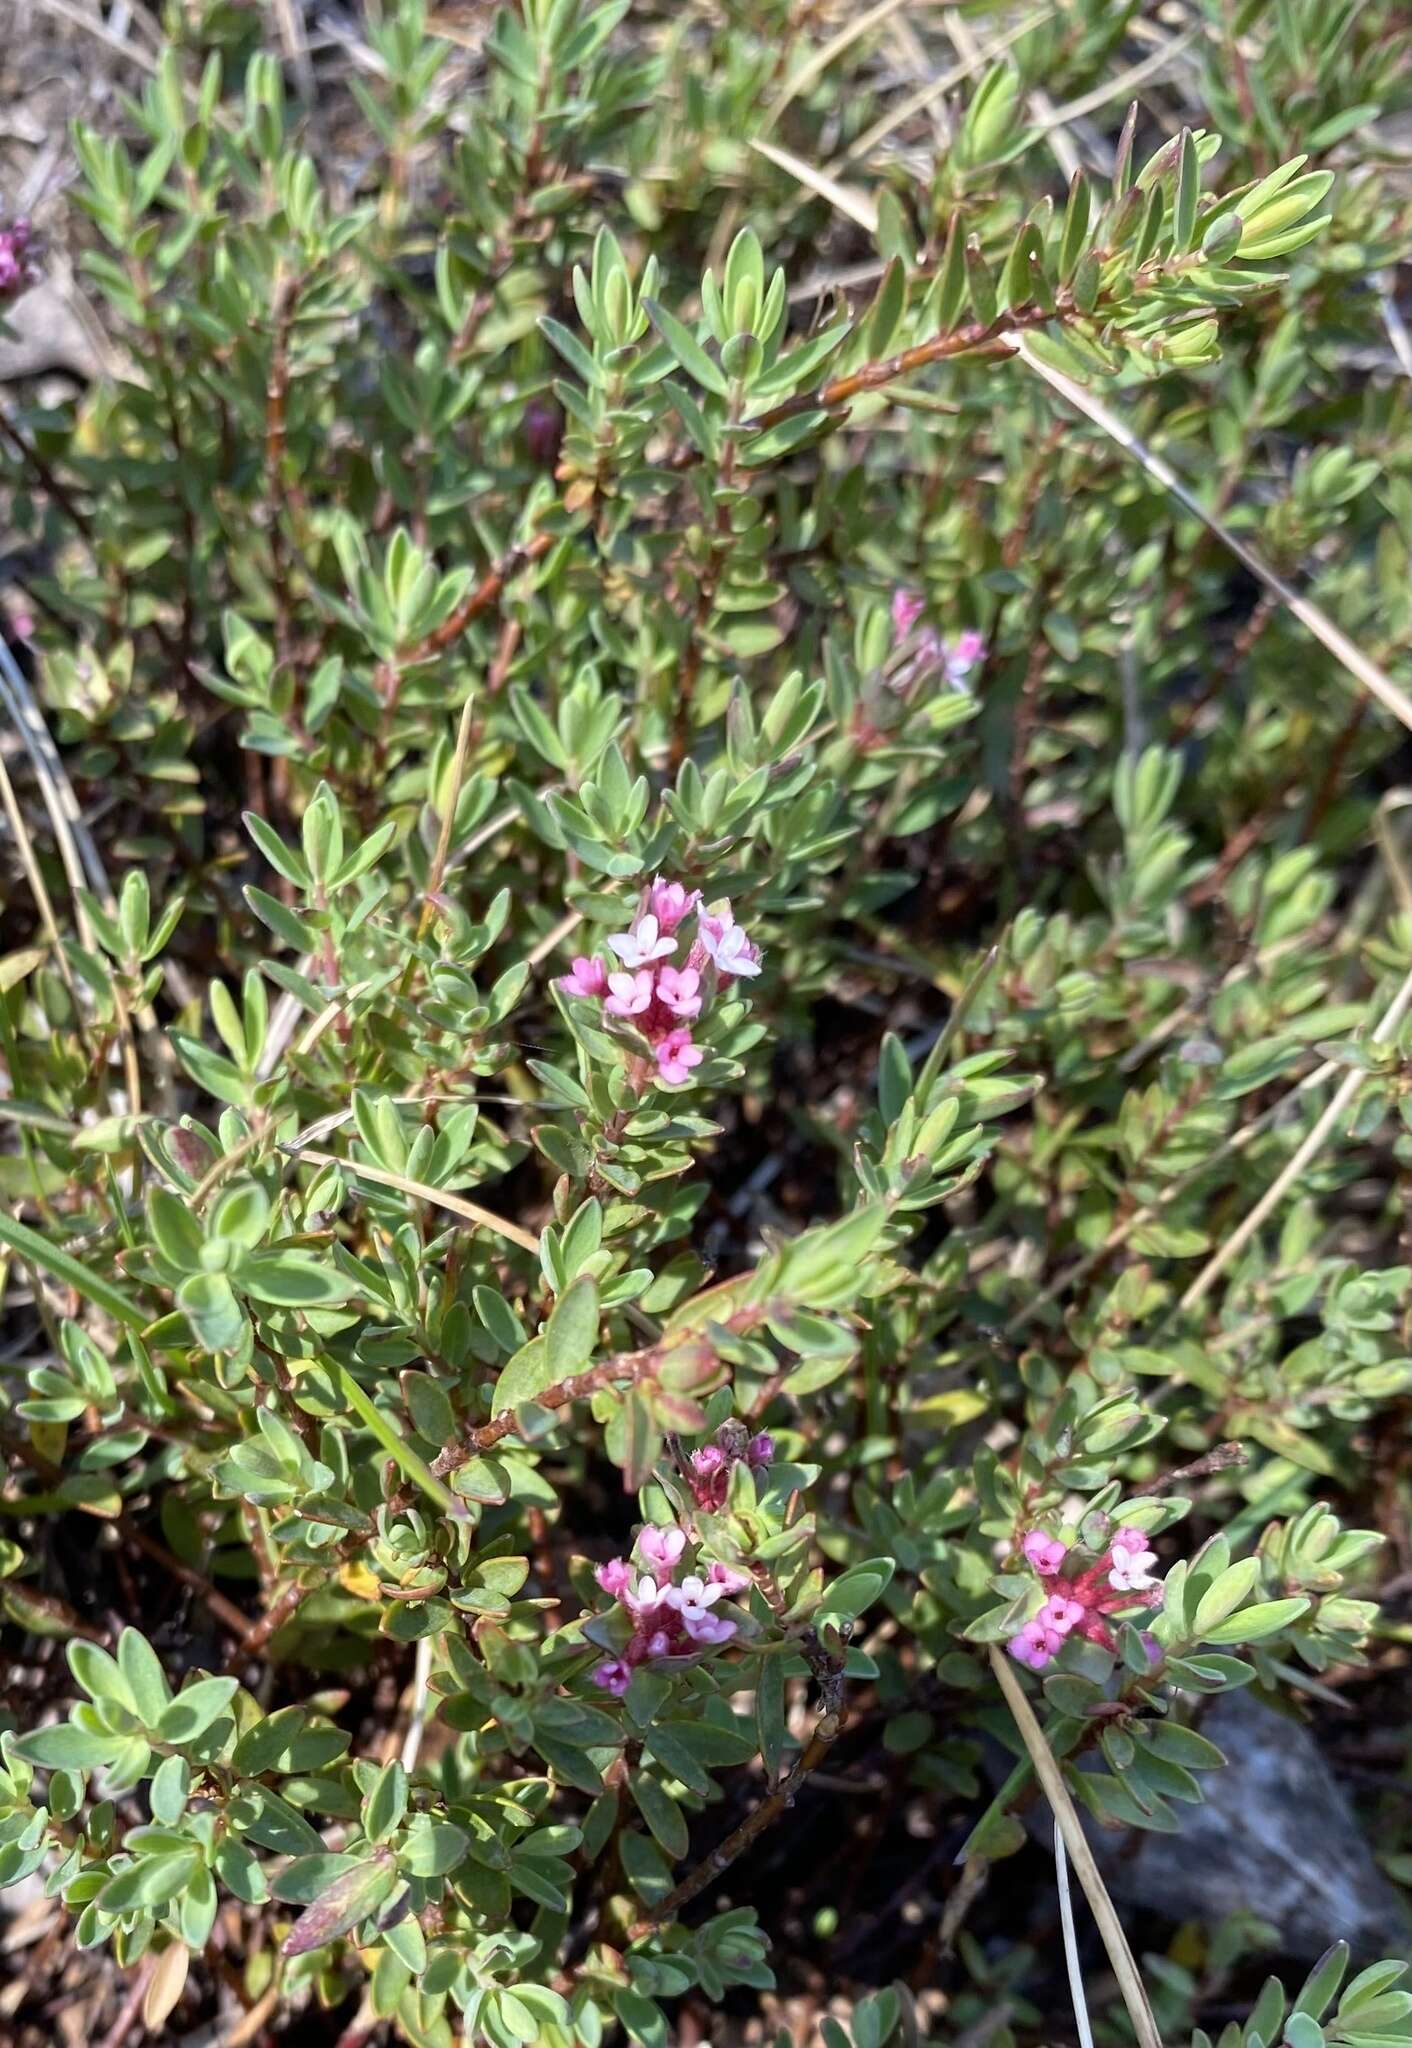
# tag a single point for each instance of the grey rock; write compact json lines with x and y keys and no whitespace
{"x":47,"y":335}
{"x":1276,"y":1837}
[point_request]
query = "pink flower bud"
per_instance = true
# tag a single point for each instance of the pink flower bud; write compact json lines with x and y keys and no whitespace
{"x":589,"y":977}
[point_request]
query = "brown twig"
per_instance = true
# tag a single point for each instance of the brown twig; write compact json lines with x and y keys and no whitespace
{"x":286,"y":300}
{"x":486,"y":593}
{"x":827,"y":1667}
{"x":1220,"y":1458}
{"x":281,"y":1609}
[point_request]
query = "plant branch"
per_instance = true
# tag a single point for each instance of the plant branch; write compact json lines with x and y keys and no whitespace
{"x":827,"y":1667}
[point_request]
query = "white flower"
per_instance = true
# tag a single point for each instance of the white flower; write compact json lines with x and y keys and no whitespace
{"x":727,"y":943}
{"x":1131,"y":1573}
{"x":645,"y":943}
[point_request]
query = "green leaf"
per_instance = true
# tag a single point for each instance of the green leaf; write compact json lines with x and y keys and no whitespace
{"x":386,"y":1805}
{"x":66,"y":1748}
{"x":145,"y":1678}
{"x":848,"y":1595}
{"x":687,"y":349}
{"x":525,"y":1376}
{"x":292,"y":1279}
{"x":208,"y":1301}
{"x":64,"y":1266}
{"x":572,"y":1329}
{"x":149,"y":1883}
{"x":429,"y":1406}
{"x":1225,"y":1595}
{"x":194,"y":1709}
{"x":1254,"y":1623}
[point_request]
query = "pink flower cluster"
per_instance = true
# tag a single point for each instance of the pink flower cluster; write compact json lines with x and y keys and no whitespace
{"x":659,"y":999}
{"x":668,"y":1619}
{"x":955,"y":658}
{"x":16,"y":270}
{"x":1079,"y":1601}
{"x":709,"y":1473}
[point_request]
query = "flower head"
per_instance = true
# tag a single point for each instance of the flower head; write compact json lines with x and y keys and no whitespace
{"x":1132,"y":1562}
{"x":679,"y":990}
{"x":907,"y":608}
{"x":16,"y":270}
{"x":705,"y":1627}
{"x":629,"y":994}
{"x":1034,"y":1645}
{"x":670,"y":903}
{"x":965,"y":651}
{"x":1060,"y":1614}
{"x":728,"y":945}
{"x":1045,"y":1553}
{"x":589,"y":977}
{"x":661,"y":1548}
{"x":729,"y":1578}
{"x":645,"y":943}
{"x":676,"y":1056}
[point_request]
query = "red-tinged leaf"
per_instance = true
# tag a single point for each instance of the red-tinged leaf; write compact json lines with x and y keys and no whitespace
{"x":348,"y":1900}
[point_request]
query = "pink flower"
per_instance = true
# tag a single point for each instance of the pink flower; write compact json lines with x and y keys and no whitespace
{"x":614,"y":1577}
{"x":761,"y":1449}
{"x":644,"y":944}
{"x":907,"y":608}
{"x":589,"y":978}
{"x":629,"y":994}
{"x":615,"y":1676}
{"x":679,"y":990}
{"x":728,"y":945}
{"x":708,"y":1460}
{"x":962,"y":656}
{"x":661,"y":1548}
{"x":670,"y":903}
{"x":1060,"y":1614}
{"x":676,"y":1056}
{"x":15,"y":270}
{"x":704,"y":1627}
{"x":1034,"y":1645}
{"x":1045,"y":1553}
{"x":729,"y":1578}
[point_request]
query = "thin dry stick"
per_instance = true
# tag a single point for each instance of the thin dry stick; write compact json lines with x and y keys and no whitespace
{"x":1338,"y":1102}
{"x":417,"y":1715}
{"x":545,"y":946}
{"x":1051,"y":1779}
{"x":1358,"y":664}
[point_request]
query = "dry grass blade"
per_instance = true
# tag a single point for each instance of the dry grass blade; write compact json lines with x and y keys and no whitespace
{"x":855,"y":206}
{"x":34,"y":876}
{"x":1359,"y":665}
{"x":440,"y":1198}
{"x":815,"y":66}
{"x":79,"y":17}
{"x":1071,"y":1946}
{"x":1066,"y":1817}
